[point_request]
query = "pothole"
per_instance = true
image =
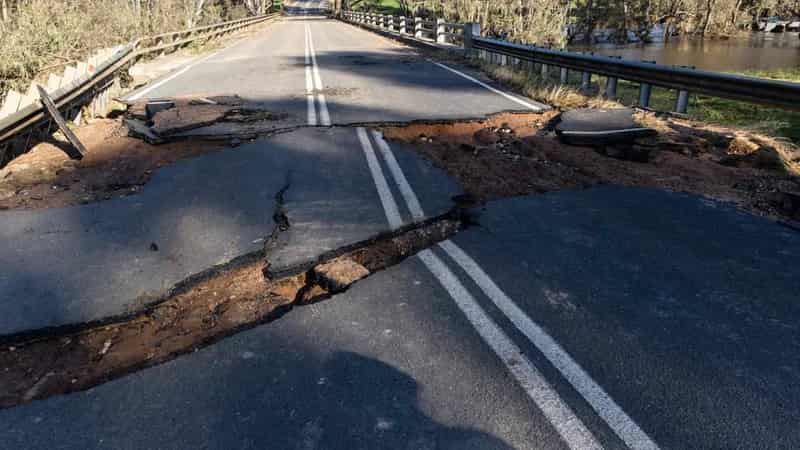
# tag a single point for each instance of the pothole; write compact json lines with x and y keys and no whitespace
{"x":517,"y":154}
{"x":37,"y":365}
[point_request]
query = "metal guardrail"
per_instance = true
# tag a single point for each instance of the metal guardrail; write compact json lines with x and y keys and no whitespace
{"x":27,"y":120}
{"x":780,"y":94}
{"x":436,"y":30}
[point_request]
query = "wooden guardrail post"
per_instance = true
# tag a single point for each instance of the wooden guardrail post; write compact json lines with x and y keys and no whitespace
{"x":418,"y":27}
{"x":402,"y":24}
{"x":441,"y":37}
{"x":564,"y":75}
{"x":471,"y":30}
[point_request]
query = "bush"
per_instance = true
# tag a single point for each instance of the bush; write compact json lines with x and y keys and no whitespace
{"x":42,"y":36}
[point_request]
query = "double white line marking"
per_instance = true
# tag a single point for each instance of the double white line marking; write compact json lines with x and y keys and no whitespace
{"x":314,"y":85}
{"x":571,"y":429}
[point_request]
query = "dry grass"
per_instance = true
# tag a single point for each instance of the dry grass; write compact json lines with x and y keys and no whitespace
{"x":533,"y":86}
{"x":43,"y":36}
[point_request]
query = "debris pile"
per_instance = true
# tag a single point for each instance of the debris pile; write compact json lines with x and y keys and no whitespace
{"x":214,"y":117}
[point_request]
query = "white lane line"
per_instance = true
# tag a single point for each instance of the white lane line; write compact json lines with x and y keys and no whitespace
{"x":567,"y":424}
{"x":385,"y":194}
{"x":158,"y":84}
{"x":603,"y":404}
{"x":325,"y":117}
{"x":312,"y":113}
{"x":622,"y":424}
{"x":399,"y":177}
{"x":513,"y":98}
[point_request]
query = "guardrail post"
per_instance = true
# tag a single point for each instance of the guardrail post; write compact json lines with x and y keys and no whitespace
{"x":391,"y":22}
{"x":544,"y":71}
{"x":402,"y":24}
{"x":471,"y":29}
{"x":383,"y":21}
{"x":564,"y":78}
{"x":611,"y":88}
{"x":586,"y":80}
{"x":682,"y":104}
{"x":645,"y":89}
{"x":441,"y":38}
{"x":644,"y":94}
{"x":418,"y":27}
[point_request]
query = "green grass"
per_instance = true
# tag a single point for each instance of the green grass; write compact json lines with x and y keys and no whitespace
{"x":391,"y":7}
{"x":769,"y":121}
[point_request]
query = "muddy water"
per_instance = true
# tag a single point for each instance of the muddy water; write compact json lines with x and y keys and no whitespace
{"x":758,"y":51}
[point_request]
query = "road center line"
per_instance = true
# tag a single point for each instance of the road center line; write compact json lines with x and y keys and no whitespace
{"x":385,"y":194}
{"x":601,"y":402}
{"x":399,"y":177}
{"x":567,"y":424}
{"x":312,"y":113}
{"x":513,"y":98}
{"x":622,"y":424}
{"x":325,"y":117}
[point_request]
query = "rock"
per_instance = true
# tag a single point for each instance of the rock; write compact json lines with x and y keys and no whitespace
{"x":787,"y":202}
{"x":765,"y":157}
{"x":635,"y":153}
{"x":467,"y":148}
{"x":741,"y":146}
{"x":600,"y":126}
{"x":486,"y":136}
{"x":235,"y":142}
{"x":336,"y":275}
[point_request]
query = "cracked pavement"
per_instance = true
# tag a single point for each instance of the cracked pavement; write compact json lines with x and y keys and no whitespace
{"x":609,"y":317}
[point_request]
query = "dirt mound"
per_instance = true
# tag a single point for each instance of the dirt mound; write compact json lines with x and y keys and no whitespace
{"x":114,"y":165}
{"x":500,"y":158}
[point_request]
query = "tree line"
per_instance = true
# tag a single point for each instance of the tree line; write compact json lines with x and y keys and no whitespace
{"x":40,"y":36}
{"x":557,"y":22}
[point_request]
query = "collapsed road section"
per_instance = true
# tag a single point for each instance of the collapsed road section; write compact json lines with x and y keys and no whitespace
{"x":226,"y":301}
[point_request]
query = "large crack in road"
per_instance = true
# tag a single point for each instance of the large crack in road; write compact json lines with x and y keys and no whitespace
{"x":225,"y":301}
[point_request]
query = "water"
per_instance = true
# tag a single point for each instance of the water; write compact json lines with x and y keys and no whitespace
{"x":758,"y":51}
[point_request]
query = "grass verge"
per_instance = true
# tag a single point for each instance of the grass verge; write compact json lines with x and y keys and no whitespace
{"x":717,"y":111}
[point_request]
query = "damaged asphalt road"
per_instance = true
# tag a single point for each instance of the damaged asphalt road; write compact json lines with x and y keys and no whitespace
{"x":592,"y":317}
{"x":199,"y":213}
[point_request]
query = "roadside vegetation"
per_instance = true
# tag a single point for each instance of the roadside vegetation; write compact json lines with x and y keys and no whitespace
{"x":769,"y":121}
{"x":558,"y":22}
{"x":38,"y":37}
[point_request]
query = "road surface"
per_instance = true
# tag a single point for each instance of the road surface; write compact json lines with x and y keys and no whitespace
{"x":604,"y":318}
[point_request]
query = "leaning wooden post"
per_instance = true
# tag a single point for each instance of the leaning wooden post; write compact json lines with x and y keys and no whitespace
{"x":77,"y":149}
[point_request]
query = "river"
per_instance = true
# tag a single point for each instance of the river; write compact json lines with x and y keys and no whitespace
{"x":758,"y":51}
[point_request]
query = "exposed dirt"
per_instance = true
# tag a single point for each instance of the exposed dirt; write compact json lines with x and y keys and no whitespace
{"x":508,"y":155}
{"x":115,"y":165}
{"x":227,"y":300}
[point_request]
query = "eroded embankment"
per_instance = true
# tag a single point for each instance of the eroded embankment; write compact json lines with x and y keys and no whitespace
{"x":518,"y":154}
{"x":122,"y":155}
{"x":229,"y":300}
